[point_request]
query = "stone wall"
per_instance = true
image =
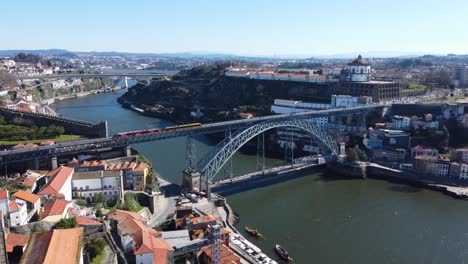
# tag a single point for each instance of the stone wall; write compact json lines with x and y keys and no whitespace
{"x":74,"y":126}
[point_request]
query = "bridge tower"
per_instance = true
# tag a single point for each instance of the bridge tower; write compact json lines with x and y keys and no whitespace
{"x":190,"y":178}
{"x":216,"y":246}
{"x":126,"y":83}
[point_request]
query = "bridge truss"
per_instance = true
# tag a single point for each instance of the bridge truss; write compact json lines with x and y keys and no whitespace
{"x":215,"y":160}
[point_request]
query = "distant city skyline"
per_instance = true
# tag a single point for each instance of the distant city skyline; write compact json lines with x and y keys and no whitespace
{"x":298,"y":28}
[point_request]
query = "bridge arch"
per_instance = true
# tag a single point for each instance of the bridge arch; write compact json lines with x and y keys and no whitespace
{"x":215,"y":160}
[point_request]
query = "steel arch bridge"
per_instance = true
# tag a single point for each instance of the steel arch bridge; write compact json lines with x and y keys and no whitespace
{"x":209,"y":166}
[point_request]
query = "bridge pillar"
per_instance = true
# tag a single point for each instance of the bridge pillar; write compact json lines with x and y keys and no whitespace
{"x":128,"y":151}
{"x":36,"y":164}
{"x":53,"y":162}
{"x":191,"y":180}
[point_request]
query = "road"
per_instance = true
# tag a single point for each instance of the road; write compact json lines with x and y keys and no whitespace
{"x":166,"y":202}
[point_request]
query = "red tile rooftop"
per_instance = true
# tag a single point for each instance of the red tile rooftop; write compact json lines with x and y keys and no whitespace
{"x":13,"y":206}
{"x":53,"y":207}
{"x":3,"y":194}
{"x":60,"y":176}
{"x":121,"y":214}
{"x":13,"y":240}
{"x":82,"y":220}
{"x":60,"y":246}
{"x":227,"y":256}
{"x":26,"y":196}
{"x":29,"y":181}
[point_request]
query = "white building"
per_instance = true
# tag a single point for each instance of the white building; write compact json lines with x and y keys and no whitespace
{"x":358,"y":71}
{"x":18,"y":213}
{"x":87,"y":184}
{"x":332,"y":71}
{"x":59,"y":182}
{"x":344,"y":101}
{"x":460,"y":154}
{"x":424,"y":151}
{"x":281,"y":106}
{"x":4,"y":201}
{"x":401,"y":122}
{"x":33,"y":201}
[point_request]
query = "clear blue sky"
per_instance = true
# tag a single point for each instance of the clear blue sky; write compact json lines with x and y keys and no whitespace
{"x":247,"y":27}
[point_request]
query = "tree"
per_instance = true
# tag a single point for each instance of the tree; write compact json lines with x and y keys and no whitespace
{"x":361,"y":154}
{"x":351,"y":155}
{"x":81,"y":202}
{"x":66,"y":223}
{"x":94,"y":247}
{"x":99,"y":198}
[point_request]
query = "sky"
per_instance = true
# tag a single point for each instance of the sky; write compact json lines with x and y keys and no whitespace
{"x":241,"y":27}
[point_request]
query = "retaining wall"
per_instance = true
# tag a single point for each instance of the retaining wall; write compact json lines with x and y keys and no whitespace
{"x":74,"y":126}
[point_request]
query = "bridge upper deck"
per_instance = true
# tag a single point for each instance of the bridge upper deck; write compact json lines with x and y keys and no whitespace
{"x":8,"y":156}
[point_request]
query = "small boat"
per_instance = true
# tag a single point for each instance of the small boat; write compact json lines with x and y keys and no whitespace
{"x":253,"y":232}
{"x":283,"y":253}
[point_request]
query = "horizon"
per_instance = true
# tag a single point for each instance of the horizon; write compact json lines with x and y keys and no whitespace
{"x":297,"y":29}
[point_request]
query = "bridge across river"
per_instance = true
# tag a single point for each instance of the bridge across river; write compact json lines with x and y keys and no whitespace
{"x":97,"y":75}
{"x":72,"y":147}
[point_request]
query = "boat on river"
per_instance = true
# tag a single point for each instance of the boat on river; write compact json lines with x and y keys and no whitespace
{"x":283,"y":253}
{"x":253,"y":232}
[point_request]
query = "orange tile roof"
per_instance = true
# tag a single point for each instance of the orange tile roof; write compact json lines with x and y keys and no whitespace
{"x":3,"y":194}
{"x":26,"y":196}
{"x":54,"y":207}
{"x":13,"y":240}
{"x":203,"y":219}
{"x":160,"y":250}
{"x":73,"y":161}
{"x":29,"y":181}
{"x":60,"y":176}
{"x":121,"y":214}
{"x":227,"y":256}
{"x":13,"y":206}
{"x":423,"y":148}
{"x":43,"y":247}
{"x":82,"y":220}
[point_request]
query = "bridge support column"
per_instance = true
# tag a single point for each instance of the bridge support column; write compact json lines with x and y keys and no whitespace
{"x":36,"y":164}
{"x":362,"y":120}
{"x":53,"y":162}
{"x":128,"y":151}
{"x":191,"y":180}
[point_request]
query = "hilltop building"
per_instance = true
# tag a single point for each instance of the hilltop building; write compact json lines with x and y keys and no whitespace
{"x":356,"y":81}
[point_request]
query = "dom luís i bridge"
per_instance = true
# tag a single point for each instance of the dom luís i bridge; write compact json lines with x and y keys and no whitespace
{"x":200,"y":174}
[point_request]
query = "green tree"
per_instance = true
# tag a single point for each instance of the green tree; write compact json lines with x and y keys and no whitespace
{"x":94,"y":247}
{"x":351,"y":155}
{"x":66,"y":223}
{"x":99,"y":198}
{"x":81,"y":202}
{"x":361,"y":154}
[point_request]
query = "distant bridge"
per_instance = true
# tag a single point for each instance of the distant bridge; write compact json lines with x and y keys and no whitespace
{"x":257,"y":125}
{"x":142,"y":74}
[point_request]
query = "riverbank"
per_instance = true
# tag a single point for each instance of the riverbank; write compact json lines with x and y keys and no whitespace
{"x":452,"y":187}
{"x":57,"y":99}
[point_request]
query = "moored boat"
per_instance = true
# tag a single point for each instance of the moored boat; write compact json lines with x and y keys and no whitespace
{"x":253,"y":232}
{"x":283,"y":253}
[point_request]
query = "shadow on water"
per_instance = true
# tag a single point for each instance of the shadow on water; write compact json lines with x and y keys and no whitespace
{"x":83,"y":106}
{"x":265,"y":181}
{"x":333,"y":178}
{"x":405,"y":188}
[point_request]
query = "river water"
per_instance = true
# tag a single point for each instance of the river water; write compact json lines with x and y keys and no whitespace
{"x":318,"y":219}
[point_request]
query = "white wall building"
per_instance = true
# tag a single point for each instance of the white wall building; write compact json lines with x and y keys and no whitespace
{"x":4,"y":201}
{"x":59,"y":182}
{"x":18,"y":213}
{"x":88,"y":184}
{"x":358,"y":71}
{"x":401,"y":122}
